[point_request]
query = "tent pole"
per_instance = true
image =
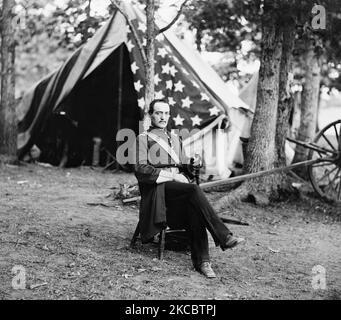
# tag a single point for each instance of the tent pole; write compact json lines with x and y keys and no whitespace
{"x":119,"y":100}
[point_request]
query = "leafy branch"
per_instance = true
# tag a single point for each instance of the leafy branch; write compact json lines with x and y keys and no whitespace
{"x":135,"y":35}
{"x":175,"y":18}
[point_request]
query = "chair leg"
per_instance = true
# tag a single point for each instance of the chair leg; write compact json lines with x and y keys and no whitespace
{"x":136,"y":234}
{"x":162,"y":240}
{"x":162,"y":243}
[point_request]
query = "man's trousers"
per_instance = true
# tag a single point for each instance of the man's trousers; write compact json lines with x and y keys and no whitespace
{"x":187,"y":207}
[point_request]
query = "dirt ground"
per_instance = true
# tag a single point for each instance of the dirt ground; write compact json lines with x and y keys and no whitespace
{"x":72,"y":242}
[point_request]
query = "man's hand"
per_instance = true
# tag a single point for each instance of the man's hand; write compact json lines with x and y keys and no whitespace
{"x":180,"y":178}
{"x":197,"y":161}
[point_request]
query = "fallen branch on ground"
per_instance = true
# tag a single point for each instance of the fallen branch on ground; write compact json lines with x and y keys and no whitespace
{"x":107,"y":205}
{"x":34,"y":286}
{"x":233,"y":221}
{"x":131,"y":199}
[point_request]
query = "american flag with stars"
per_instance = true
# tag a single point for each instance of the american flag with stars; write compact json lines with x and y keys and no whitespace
{"x":192,"y":104}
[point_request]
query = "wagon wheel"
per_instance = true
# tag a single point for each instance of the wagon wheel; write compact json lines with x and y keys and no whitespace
{"x":325,"y":176}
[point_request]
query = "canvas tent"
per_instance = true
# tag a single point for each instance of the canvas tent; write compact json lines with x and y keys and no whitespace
{"x":249,"y":92}
{"x":100,"y":90}
{"x":241,"y":119}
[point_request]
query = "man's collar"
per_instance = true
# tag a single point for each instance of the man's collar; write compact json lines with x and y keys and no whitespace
{"x":157,"y":128}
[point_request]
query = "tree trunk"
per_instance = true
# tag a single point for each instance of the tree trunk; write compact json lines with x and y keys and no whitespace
{"x":198,"y":40}
{"x":261,"y":152}
{"x":150,"y":54}
{"x":88,"y":17}
{"x":309,"y":103}
{"x":286,"y":98}
{"x":8,"y":121}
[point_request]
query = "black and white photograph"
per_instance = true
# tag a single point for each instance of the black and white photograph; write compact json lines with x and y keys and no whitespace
{"x":173,"y":155}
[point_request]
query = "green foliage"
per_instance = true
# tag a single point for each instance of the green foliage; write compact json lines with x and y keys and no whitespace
{"x":73,"y":25}
{"x":332,"y":44}
{"x":326,"y":41}
{"x":47,"y":34}
{"x":221,"y":26}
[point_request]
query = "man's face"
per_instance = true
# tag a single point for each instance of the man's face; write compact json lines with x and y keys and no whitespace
{"x":160,"y":115}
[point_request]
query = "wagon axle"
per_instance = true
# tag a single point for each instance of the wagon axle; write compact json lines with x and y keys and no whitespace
{"x":323,"y":164}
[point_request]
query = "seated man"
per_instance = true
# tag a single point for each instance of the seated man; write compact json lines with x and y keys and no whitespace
{"x":161,"y":169}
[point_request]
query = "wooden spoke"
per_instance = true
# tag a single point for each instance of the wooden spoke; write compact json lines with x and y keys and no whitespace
{"x":331,"y":182}
{"x":337,"y":187}
{"x":336,"y":133}
{"x":325,"y":138}
{"x":320,"y":164}
{"x":339,"y":192}
{"x":319,"y":154}
{"x":326,"y":175}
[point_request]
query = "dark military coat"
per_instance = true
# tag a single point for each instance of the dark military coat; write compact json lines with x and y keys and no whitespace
{"x":150,"y":160}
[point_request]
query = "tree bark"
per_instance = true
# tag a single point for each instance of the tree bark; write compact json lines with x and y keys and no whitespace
{"x":286,"y":98}
{"x":150,"y":53}
{"x":309,"y":103}
{"x":88,"y":17}
{"x":198,"y":39}
{"x":261,"y":152}
{"x":8,"y":120}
